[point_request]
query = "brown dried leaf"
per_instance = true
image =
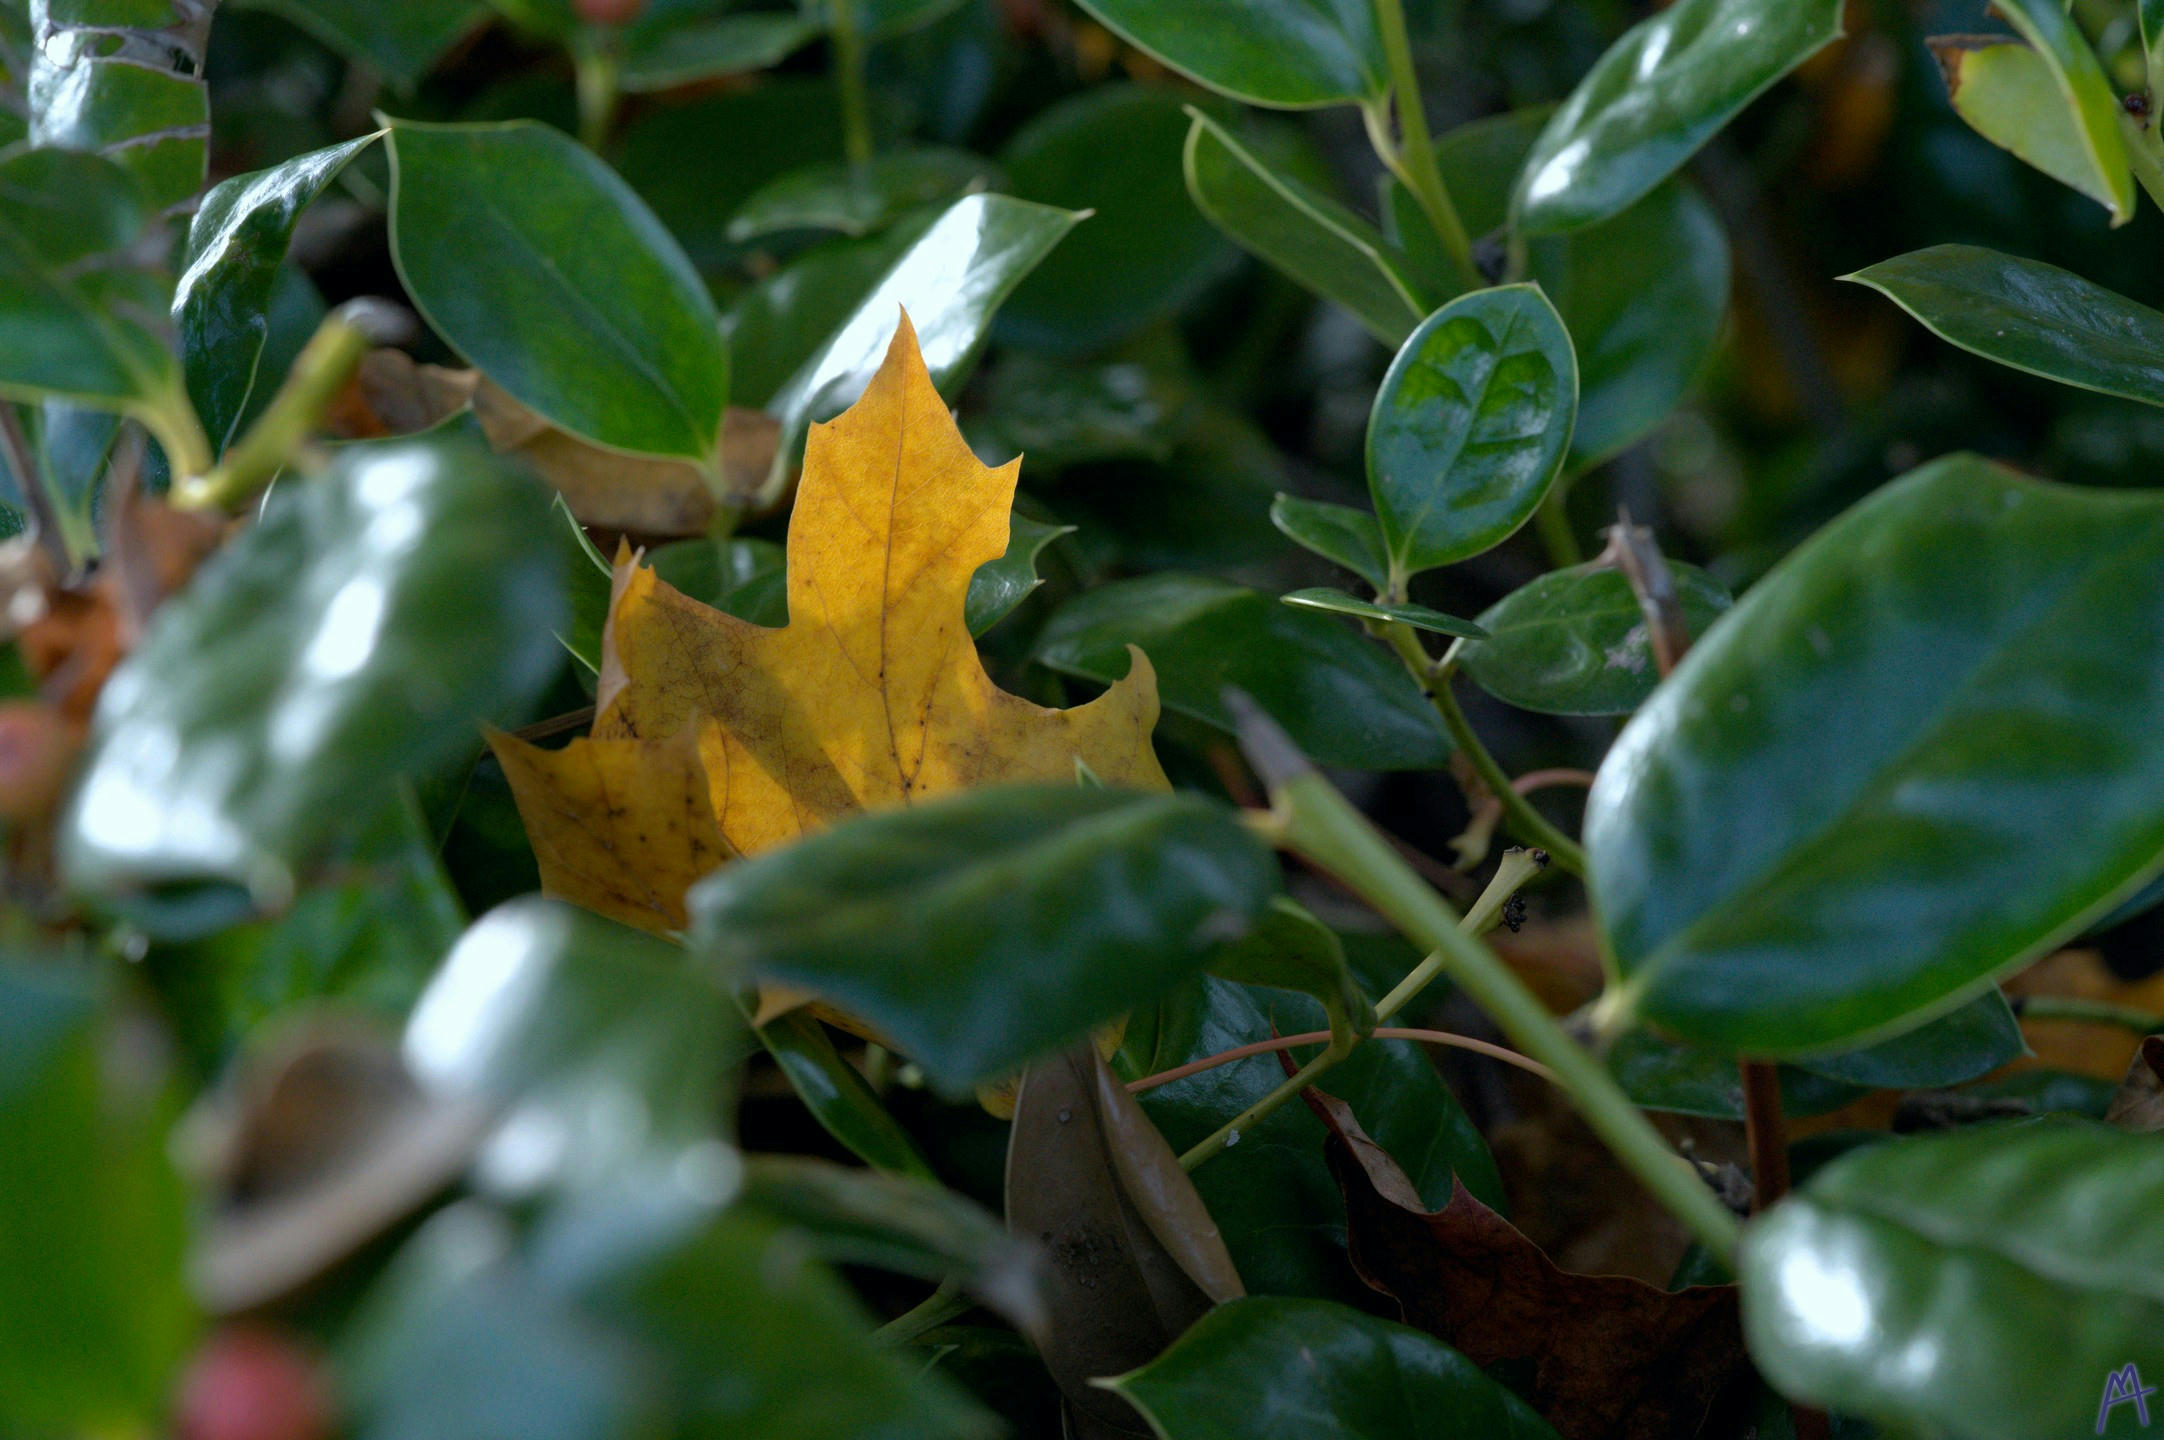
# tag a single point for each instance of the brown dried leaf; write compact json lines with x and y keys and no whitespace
{"x":1134,"y":1257}
{"x":2139,"y":1105}
{"x":1610,"y":1358}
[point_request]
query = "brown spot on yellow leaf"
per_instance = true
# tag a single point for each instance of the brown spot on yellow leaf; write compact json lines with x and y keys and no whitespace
{"x":873,"y":694}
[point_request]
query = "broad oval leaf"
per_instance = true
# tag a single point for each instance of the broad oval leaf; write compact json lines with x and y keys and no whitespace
{"x":2029,"y":315}
{"x":1420,"y":617}
{"x":2010,"y":95}
{"x":582,"y":307}
{"x":1294,"y":54}
{"x":1338,"y":533}
{"x":1912,"y":1283}
{"x":1275,"y":1368}
{"x":1574,"y":642}
{"x":1959,"y":1045}
{"x":707,"y":49}
{"x":1824,"y":826}
{"x":1292,"y":950}
{"x":1470,"y":427}
{"x":125,"y":78}
{"x":983,"y":929}
{"x":1145,"y":251}
{"x":856,"y":200}
{"x":2091,"y":105}
{"x":357,"y":632}
{"x":1658,"y":94}
{"x":403,"y":41}
{"x":223,"y":301}
{"x":1308,"y":235}
{"x":1347,"y":704}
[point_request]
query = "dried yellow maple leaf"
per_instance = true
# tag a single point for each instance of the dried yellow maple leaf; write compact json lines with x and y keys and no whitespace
{"x":872,"y":695}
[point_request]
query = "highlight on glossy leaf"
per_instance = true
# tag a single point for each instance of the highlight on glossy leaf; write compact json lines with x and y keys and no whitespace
{"x":1470,"y":428}
{"x":1841,"y":748}
{"x":1293,"y":54}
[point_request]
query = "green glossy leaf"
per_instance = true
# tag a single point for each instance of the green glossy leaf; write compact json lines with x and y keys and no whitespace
{"x":982,"y":930}
{"x":1667,"y":1075}
{"x":582,"y":307}
{"x":74,"y":442}
{"x":1912,"y":1283}
{"x":357,"y":632}
{"x":125,"y":80}
{"x":1642,"y":293}
{"x":1420,"y":617}
{"x":1338,"y":533}
{"x":1346,"y":703}
{"x":403,"y":39}
{"x":1959,"y":1045}
{"x":952,"y":280}
{"x":565,"y":1019}
{"x":1291,"y":950}
{"x":222,"y":303}
{"x":777,"y":324}
{"x":1289,"y":53}
{"x":1823,"y":826}
{"x":79,"y":313}
{"x":1574,"y":641}
{"x":1309,"y":236}
{"x":2010,"y":95}
{"x":2086,"y":94}
{"x":1470,"y":427}
{"x":1144,"y":253}
{"x":2029,"y":315}
{"x":1272,"y":1194}
{"x":856,"y":201}
{"x":705,"y":50}
{"x":1059,"y":413}
{"x":94,"y":1318}
{"x":1270,"y":1368}
{"x":1656,"y":96}
{"x":838,"y":1097}
{"x":1000,"y":585}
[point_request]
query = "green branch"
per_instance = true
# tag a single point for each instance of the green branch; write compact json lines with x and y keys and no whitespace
{"x":1412,"y":158}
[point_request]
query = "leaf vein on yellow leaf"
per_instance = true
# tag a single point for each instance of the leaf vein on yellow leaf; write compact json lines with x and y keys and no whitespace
{"x":872,"y":695}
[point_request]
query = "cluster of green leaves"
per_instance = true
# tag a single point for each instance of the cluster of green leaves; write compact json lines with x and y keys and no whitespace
{"x":1918,"y":754}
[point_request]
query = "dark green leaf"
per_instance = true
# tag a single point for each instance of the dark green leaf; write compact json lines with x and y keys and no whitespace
{"x":1574,"y":641}
{"x":1338,"y":533}
{"x":568,"y":1020}
{"x":74,"y":443}
{"x":1642,"y":293}
{"x":1916,"y":1283}
{"x":1272,"y":1194}
{"x":838,"y":1097}
{"x":222,"y":304}
{"x":1959,"y":1045}
{"x":79,"y":316}
{"x":2085,"y":92}
{"x":2029,"y":315}
{"x":705,"y":49}
{"x":1346,"y":703}
{"x":403,"y":40}
{"x":1470,"y":427}
{"x":124,"y":78}
{"x":1144,"y":252}
{"x":856,"y":201}
{"x":1290,"y":53}
{"x":540,"y":266}
{"x":1658,"y":94}
{"x":1270,"y":1368}
{"x":1309,"y":236}
{"x":1059,"y":413}
{"x":779,"y":323}
{"x":355,"y":633}
{"x":952,"y":280}
{"x":1000,"y":585}
{"x":1824,"y":825}
{"x":1420,"y":617}
{"x":1660,"y":1074}
{"x":93,"y":1314}
{"x":884,"y":19}
{"x":1291,"y":950}
{"x":987,"y":928}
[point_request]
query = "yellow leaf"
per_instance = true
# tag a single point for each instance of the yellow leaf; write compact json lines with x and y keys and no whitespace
{"x":873,"y":694}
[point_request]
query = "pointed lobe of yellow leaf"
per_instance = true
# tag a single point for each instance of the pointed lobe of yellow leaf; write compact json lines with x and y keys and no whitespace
{"x":872,"y":695}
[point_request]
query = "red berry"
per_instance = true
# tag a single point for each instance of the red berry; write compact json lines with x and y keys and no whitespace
{"x":249,"y":1383}
{"x":609,"y":12}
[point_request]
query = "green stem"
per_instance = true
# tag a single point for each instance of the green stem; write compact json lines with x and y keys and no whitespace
{"x":324,"y":367}
{"x":599,"y":76}
{"x":2095,"y":1012}
{"x":173,"y":423}
{"x":944,"y":1304}
{"x":1552,"y":522}
{"x":1518,"y":866}
{"x":1413,"y":158}
{"x":849,"y":63}
{"x":1313,"y":819}
{"x":1527,"y":823}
